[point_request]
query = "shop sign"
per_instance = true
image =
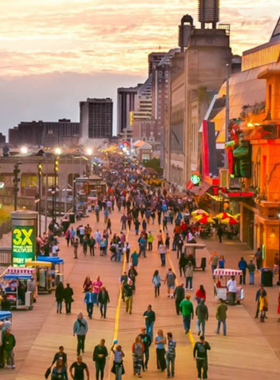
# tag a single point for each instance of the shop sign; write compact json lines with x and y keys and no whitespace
{"x":23,"y":245}
{"x":240,"y":194}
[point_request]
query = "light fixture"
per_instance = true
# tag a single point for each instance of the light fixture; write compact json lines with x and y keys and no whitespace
{"x":58,"y":151}
{"x":24,"y":150}
{"x":89,"y":151}
{"x":250,"y":125}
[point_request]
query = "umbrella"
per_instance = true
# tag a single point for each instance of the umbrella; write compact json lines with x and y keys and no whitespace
{"x":229,"y":221}
{"x":223,"y":215}
{"x":237,"y":216}
{"x":206,"y":219}
{"x":199,"y":212}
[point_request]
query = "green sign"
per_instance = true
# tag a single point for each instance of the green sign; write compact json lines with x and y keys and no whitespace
{"x":23,"y":245}
{"x":195,"y":179}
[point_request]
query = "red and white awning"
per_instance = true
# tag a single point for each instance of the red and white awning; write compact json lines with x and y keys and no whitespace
{"x":227,"y":272}
{"x":20,"y":270}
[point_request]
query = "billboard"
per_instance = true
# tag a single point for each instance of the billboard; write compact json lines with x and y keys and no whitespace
{"x":23,"y":244}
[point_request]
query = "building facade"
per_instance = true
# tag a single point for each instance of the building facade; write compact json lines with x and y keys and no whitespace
{"x":96,"y":119}
{"x":126,"y":104}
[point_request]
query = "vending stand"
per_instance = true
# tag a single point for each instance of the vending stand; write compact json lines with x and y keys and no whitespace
{"x":57,"y":269}
{"x":43,"y":275}
{"x":15,"y":288}
{"x":221,"y":291}
{"x":5,"y":316}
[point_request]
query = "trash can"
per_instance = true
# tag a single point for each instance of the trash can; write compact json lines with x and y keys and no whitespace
{"x":72,"y":217}
{"x":203,"y":263}
{"x":267,"y":277}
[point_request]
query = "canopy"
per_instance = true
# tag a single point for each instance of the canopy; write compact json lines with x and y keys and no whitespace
{"x":17,"y":276}
{"x":223,"y":215}
{"x":19,"y":270}
{"x":205,"y":219}
{"x":227,"y":272}
{"x":5,"y":315}
{"x":38,"y":264}
{"x":229,"y":221}
{"x":53,"y":260}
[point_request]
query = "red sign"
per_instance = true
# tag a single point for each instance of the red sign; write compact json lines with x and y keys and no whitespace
{"x":241,"y":194}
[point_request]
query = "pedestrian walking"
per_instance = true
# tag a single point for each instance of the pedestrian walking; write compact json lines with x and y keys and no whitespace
{"x":75,"y":246}
{"x":200,"y":356}
{"x":128,"y":295}
{"x":59,"y":372}
{"x":109,"y":226}
{"x":135,"y":258}
{"x":222,"y":262}
{"x":80,"y":329}
{"x":136,"y":224}
{"x":87,"y":284}
{"x":150,"y":318}
{"x":138,"y":350}
{"x":263,"y":305}
{"x":200,"y":294}
{"x":118,"y":367}
{"x":167,"y":240}
{"x":162,"y":252}
{"x":232,"y":289}
{"x":59,"y":294}
{"x":180,"y":244}
{"x":214,"y":261}
{"x":170,"y":355}
{"x":182,"y":265}
{"x":159,"y":238}
{"x":8,"y":344}
{"x":103,"y":300}
{"x":126,"y":251}
{"x":78,"y":369}
{"x":85,"y":245}
{"x":186,"y":307}
{"x":221,"y":316}
{"x":170,"y":282}
{"x":251,"y":270}
{"x":89,"y":301}
{"x":150,"y":240}
{"x":179,"y":295}
{"x":220,"y":233}
{"x":123,"y":222}
{"x":257,"y":299}
{"x":160,"y":342}
{"x":68,"y":298}
{"x":146,"y":339}
{"x":156,"y":280}
{"x":258,"y":257}
{"x":201,"y":312}
{"x":242,"y":265}
{"x":132,"y":274}
{"x":60,"y":355}
{"x":96,"y":285}
{"x":100,"y":354}
{"x":91,"y":243}
{"x":189,"y":275}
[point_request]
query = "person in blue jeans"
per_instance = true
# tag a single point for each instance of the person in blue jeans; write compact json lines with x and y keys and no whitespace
{"x":186,"y":307}
{"x":251,"y":270}
{"x":242,"y":265}
{"x":189,"y":275}
{"x":221,"y":315}
{"x":89,"y":301}
{"x":170,"y":355}
{"x":118,"y":368}
{"x":150,"y":317}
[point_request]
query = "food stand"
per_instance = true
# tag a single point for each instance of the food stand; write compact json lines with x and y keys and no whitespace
{"x":57,"y":269}
{"x":190,"y":249}
{"x":5,"y":316}
{"x":43,"y":275}
{"x":220,"y":290}
{"x":15,"y":288}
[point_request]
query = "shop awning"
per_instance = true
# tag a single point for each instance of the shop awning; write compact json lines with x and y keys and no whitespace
{"x":201,"y":189}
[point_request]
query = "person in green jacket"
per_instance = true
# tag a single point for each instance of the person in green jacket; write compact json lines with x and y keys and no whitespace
{"x":186,"y":307}
{"x":221,"y":315}
{"x":9,"y":342}
{"x":150,"y":240}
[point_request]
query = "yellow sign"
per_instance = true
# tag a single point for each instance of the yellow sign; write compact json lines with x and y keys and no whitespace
{"x":23,"y":244}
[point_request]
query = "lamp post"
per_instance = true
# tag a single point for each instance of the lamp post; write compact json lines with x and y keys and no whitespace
{"x":278,"y":282}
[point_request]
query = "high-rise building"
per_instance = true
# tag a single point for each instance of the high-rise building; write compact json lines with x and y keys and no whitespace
{"x":126,"y":103}
{"x":45,"y":133}
{"x":154,"y":59}
{"x":96,"y":118}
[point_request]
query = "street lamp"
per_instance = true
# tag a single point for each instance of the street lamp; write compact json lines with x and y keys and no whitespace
{"x":89,"y":153}
{"x":278,"y":282}
{"x":58,"y":151}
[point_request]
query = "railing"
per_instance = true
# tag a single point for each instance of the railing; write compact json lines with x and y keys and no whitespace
{"x":5,"y":256}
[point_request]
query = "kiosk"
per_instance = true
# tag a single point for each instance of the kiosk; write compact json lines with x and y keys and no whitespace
{"x":220,"y":290}
{"x":57,"y":269}
{"x":15,"y":289}
{"x":190,"y":249}
{"x":43,"y":275}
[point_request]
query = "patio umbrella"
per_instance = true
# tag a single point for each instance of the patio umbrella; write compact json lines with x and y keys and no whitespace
{"x":237,"y":216}
{"x":229,"y":221}
{"x":223,"y":215}
{"x":206,"y":219}
{"x":199,"y":212}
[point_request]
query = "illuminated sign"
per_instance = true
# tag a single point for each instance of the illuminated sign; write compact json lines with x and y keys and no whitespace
{"x":195,"y":179}
{"x":131,"y":118}
{"x":23,"y":244}
{"x":241,"y":194}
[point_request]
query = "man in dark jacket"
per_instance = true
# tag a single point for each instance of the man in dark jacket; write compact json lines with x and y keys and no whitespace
{"x":60,"y":355}
{"x":67,"y":295}
{"x":242,"y":265}
{"x":150,"y":317}
{"x":99,"y":357}
{"x":179,"y":295}
{"x":8,"y":343}
{"x":202,"y":316}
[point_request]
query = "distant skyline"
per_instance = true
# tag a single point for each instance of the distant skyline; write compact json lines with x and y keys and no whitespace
{"x":72,"y":39}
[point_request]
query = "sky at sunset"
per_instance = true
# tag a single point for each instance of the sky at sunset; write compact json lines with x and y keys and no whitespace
{"x":57,"y":52}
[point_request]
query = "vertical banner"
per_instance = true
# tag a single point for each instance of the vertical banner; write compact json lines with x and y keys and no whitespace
{"x":23,"y":244}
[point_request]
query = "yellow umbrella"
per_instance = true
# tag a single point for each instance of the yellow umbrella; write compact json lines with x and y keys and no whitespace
{"x":237,"y":216}
{"x":206,"y":219}
{"x":223,"y":215}
{"x":199,"y":212}
{"x":229,"y":221}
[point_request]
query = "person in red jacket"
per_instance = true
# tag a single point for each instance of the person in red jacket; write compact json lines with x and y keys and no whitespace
{"x":200,"y":294}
